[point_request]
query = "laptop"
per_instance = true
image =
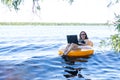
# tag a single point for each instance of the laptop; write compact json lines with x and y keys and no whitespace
{"x":72,"y":39}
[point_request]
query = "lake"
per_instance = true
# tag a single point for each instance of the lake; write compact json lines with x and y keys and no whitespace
{"x":31,"y":53}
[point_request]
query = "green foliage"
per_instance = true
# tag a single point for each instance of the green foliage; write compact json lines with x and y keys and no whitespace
{"x":38,"y":7}
{"x":12,"y":3}
{"x":115,"y":42}
{"x":118,"y":25}
{"x":7,"y":2}
{"x":113,"y":2}
{"x":115,"y":39}
{"x":70,"y":1}
{"x":16,"y":3}
{"x":117,"y":22}
{"x":103,"y":43}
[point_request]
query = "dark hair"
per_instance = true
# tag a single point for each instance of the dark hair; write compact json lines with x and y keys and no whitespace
{"x":86,"y":37}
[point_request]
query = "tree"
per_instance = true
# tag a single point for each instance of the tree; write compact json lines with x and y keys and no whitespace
{"x":115,"y":39}
{"x":16,"y":3}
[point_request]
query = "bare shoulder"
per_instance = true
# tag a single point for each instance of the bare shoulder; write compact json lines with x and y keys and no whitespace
{"x":89,"y":42}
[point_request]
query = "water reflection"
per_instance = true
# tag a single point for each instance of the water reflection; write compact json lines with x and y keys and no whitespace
{"x":72,"y":71}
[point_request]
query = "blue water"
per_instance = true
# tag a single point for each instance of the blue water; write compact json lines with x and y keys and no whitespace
{"x":31,"y":53}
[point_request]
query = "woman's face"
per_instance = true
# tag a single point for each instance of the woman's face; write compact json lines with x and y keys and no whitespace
{"x":83,"y":35}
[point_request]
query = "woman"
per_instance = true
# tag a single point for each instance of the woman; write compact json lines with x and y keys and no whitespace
{"x":83,"y":41}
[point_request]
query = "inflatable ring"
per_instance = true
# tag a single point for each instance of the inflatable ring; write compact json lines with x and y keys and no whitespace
{"x":78,"y":53}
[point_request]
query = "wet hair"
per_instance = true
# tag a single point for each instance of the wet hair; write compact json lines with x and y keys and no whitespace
{"x":86,"y":37}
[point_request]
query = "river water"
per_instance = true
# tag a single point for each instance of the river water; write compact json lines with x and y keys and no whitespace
{"x":31,"y":53}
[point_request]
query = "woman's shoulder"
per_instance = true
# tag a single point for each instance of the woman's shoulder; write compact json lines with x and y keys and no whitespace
{"x":89,"y":42}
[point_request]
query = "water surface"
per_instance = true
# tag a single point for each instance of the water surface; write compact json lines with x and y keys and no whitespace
{"x":31,"y":53}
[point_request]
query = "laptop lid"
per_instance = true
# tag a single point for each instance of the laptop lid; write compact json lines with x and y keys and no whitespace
{"x":72,"y":39}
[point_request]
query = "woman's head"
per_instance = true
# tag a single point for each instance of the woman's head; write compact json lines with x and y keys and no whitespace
{"x":83,"y":35}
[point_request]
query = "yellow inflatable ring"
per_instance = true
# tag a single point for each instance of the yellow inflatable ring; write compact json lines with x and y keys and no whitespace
{"x":78,"y":53}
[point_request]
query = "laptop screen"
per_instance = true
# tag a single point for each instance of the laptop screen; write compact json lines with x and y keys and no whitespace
{"x":72,"y":39}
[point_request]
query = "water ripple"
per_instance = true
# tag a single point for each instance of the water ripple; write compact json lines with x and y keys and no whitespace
{"x":29,"y":55}
{"x":6,"y":48}
{"x":103,"y":66}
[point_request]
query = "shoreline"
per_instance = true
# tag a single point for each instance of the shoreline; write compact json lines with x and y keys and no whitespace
{"x":51,"y":24}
